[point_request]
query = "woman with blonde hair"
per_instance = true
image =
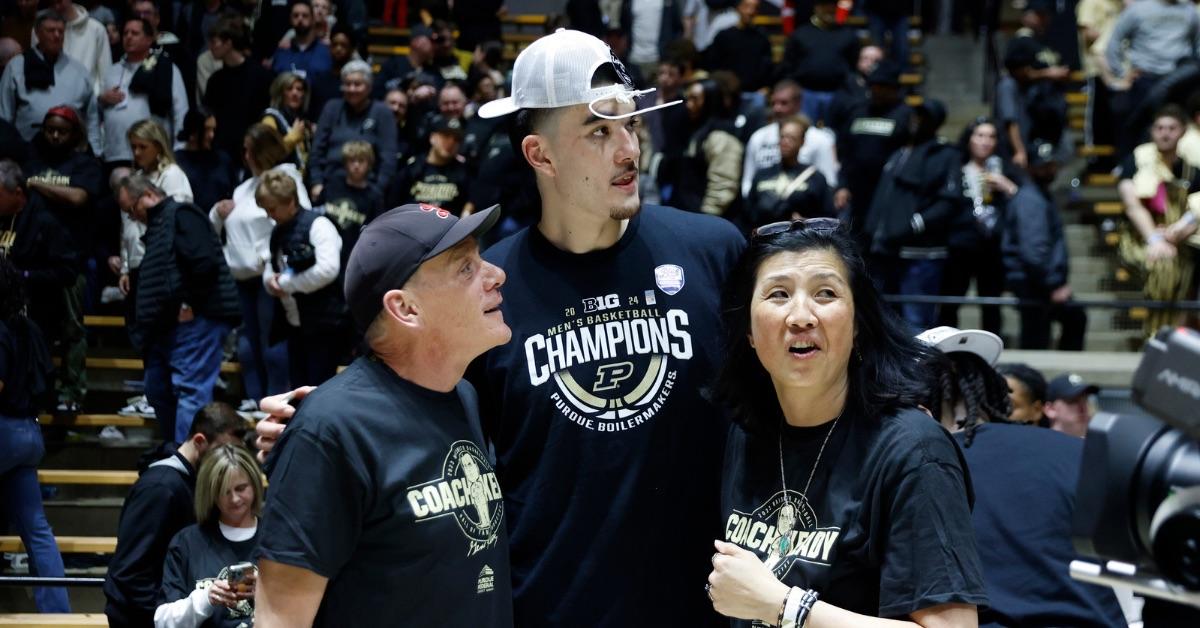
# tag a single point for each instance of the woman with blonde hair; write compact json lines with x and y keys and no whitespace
{"x":245,"y":229}
{"x":289,"y":101}
{"x":207,"y":580}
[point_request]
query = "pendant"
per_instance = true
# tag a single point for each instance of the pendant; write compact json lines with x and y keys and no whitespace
{"x":784,"y":525}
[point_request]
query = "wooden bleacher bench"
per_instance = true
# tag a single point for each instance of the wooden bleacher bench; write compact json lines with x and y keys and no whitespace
{"x":135,"y":364}
{"x":1075,"y":124}
{"x":1101,"y":179}
{"x":88,"y":477}
{"x":1096,"y":150}
{"x":67,"y":544}
{"x":92,"y":420}
{"x":104,"y":321}
{"x":914,"y":100}
{"x":1077,"y":98}
{"x":1078,"y":76}
{"x":1108,"y":208}
{"x":53,"y":620}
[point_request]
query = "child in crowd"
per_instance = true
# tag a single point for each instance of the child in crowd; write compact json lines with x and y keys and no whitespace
{"x":352,"y":202}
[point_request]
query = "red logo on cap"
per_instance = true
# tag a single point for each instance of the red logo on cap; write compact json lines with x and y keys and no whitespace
{"x":441,"y":213}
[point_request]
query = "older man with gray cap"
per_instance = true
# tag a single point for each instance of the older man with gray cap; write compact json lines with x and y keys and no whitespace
{"x":384,"y":504}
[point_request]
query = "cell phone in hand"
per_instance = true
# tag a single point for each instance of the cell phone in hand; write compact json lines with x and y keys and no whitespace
{"x":238,"y":577}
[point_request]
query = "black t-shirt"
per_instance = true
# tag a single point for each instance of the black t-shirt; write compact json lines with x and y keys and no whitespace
{"x":422,"y":182}
{"x":777,"y":193}
{"x":607,"y":451}
{"x":77,"y":170}
{"x":1026,"y":551}
{"x":886,"y":529}
{"x":384,"y":488}
{"x":237,"y":96}
{"x":198,"y":555}
{"x":349,"y":208}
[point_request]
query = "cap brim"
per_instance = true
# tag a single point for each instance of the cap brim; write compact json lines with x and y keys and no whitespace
{"x":476,"y":224}
{"x":984,"y":344}
{"x":497,"y":108}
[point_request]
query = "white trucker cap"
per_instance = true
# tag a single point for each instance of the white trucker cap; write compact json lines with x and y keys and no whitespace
{"x":556,"y":71}
{"x":982,"y":343}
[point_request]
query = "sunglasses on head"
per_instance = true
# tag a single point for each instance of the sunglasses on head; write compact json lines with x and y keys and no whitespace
{"x":820,"y":225}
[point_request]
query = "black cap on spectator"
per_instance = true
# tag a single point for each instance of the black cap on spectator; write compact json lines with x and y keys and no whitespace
{"x":1022,"y":52}
{"x":450,"y":126}
{"x":886,"y":73}
{"x":1068,"y":386}
{"x":935,"y":110}
{"x":420,"y":30}
{"x":391,"y":248}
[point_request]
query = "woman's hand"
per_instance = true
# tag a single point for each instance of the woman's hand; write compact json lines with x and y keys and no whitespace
{"x":221,"y":594}
{"x":742,"y":586}
{"x":1001,"y":183}
{"x":224,"y":208}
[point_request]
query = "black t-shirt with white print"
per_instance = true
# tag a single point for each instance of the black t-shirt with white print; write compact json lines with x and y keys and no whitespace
{"x":886,"y":529}
{"x":609,"y":455}
{"x":199,"y":554}
{"x":384,"y":487}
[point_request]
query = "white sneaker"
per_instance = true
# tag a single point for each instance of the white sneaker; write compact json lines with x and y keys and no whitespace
{"x":248,"y":405}
{"x":111,"y":294}
{"x":138,"y":406}
{"x":111,"y":433}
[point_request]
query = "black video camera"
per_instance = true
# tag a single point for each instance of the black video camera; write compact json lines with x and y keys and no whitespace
{"x":1137,"y":504}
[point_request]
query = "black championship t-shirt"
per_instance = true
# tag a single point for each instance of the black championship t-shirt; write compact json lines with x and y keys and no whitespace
{"x":349,"y":208}
{"x":198,"y":555}
{"x":422,"y":182}
{"x":77,"y":170}
{"x":384,"y":487}
{"x":886,"y":528}
{"x":608,"y":454}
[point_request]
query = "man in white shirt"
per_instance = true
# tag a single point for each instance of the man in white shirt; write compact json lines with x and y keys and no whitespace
{"x":762,"y":151}
{"x":86,"y":40}
{"x":124,"y":99}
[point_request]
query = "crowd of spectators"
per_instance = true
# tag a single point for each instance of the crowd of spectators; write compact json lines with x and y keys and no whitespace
{"x":208,"y":102}
{"x":211,"y":165}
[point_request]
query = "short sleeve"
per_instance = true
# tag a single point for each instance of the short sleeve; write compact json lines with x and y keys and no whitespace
{"x":174,"y":576}
{"x":929,"y":557}
{"x":314,"y":508}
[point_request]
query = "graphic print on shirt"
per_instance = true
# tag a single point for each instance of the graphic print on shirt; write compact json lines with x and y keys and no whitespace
{"x":244,"y":608}
{"x":758,"y":531}
{"x":468,"y":491}
{"x":613,"y":358}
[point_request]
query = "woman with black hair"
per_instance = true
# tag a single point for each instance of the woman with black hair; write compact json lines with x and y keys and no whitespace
{"x":974,"y":243}
{"x":842,"y":501}
{"x":25,"y":376}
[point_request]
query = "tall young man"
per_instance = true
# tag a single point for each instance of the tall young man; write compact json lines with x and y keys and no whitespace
{"x":607,"y":451}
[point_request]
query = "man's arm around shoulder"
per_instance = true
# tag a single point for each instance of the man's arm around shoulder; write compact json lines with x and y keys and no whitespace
{"x":286,"y":596}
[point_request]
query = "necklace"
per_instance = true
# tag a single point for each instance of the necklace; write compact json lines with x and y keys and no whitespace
{"x":786,"y":521}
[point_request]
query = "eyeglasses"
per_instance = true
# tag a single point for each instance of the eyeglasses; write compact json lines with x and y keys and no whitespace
{"x":819,"y":225}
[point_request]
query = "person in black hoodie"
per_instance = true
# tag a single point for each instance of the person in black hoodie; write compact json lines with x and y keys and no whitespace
{"x":1035,"y":256}
{"x":186,"y":303}
{"x":873,"y":129}
{"x":709,"y":176}
{"x":63,"y":169}
{"x":34,"y":241}
{"x":909,"y":220}
{"x":238,"y":92}
{"x":160,"y":504}
{"x":743,"y":49}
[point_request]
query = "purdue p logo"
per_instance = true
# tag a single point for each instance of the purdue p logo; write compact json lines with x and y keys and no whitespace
{"x":609,"y":376}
